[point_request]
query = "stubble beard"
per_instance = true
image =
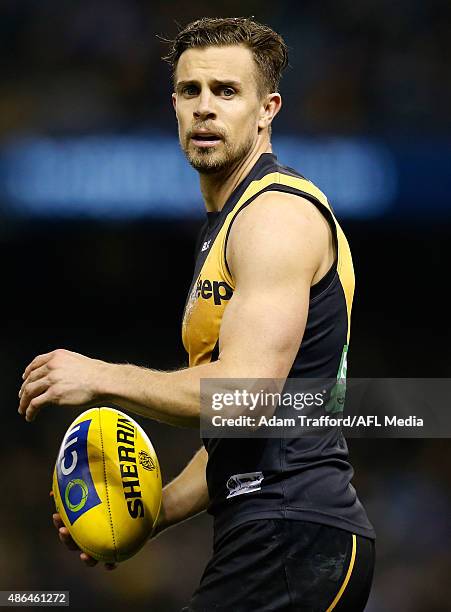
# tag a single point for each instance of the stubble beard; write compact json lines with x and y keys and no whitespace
{"x":218,"y":159}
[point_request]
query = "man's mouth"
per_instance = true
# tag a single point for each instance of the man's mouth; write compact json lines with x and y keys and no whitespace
{"x":205,"y":139}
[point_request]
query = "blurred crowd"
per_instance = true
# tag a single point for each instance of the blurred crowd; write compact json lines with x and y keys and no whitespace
{"x":356,"y":67}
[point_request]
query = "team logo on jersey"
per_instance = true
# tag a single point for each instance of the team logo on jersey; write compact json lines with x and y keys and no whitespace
{"x":206,"y":245}
{"x":240,"y":484}
{"x":338,"y":393}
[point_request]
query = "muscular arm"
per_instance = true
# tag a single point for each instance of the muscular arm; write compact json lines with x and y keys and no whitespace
{"x":278,"y":247}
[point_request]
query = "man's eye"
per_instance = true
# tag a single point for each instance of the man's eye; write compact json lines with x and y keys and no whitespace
{"x":228,"y":91}
{"x":190,"y":90}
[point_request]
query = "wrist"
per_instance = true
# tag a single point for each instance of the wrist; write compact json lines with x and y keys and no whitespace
{"x":109,"y":381}
{"x":163,"y":520}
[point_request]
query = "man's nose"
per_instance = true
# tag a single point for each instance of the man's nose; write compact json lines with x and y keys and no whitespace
{"x":205,"y":106}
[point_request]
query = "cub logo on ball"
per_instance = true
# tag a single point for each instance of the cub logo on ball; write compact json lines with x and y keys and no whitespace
{"x":76,"y":488}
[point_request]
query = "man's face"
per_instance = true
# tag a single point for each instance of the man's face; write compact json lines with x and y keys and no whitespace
{"x":217,"y":106}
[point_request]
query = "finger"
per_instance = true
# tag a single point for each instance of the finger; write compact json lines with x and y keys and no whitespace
{"x":110,"y":566}
{"x":36,"y":404}
{"x":30,"y":391}
{"x":34,"y":376}
{"x":66,"y":538}
{"x":57,"y":520}
{"x":37,"y":362}
{"x":89,"y":561}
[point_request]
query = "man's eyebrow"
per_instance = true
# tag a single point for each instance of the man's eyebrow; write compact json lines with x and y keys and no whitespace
{"x":182,"y":84}
{"x":215,"y":82}
{"x":227,"y":82}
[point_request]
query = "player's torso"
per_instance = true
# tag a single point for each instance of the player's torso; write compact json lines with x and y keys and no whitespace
{"x":213,"y":285}
{"x":298,"y":474}
{"x":208,"y":297}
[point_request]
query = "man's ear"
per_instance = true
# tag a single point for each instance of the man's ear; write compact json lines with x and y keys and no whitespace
{"x":174,"y":102}
{"x":270,"y":106}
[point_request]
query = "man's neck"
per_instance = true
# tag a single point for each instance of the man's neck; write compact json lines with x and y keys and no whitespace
{"x":217,"y":188}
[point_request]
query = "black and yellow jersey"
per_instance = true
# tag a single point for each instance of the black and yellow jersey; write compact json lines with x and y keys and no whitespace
{"x":300,"y":478}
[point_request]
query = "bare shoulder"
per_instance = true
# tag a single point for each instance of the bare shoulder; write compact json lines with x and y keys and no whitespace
{"x":284,"y":229}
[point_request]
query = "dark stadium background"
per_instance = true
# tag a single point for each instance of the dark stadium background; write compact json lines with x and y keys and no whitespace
{"x":115,"y":288}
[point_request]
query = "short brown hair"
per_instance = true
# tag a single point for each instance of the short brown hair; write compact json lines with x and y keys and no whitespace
{"x":268,"y":47}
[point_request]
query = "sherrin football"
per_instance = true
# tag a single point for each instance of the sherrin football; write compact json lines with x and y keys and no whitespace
{"x":107,"y":484}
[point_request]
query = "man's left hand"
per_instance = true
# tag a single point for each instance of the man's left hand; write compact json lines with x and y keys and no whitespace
{"x":61,"y":378}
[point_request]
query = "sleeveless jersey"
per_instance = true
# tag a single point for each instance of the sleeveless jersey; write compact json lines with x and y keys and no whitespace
{"x":305,"y":478}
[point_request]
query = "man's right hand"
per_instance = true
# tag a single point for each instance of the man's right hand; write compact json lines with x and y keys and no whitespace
{"x":66,"y":538}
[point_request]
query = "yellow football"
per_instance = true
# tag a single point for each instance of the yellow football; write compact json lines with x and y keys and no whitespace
{"x":107,"y":484}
